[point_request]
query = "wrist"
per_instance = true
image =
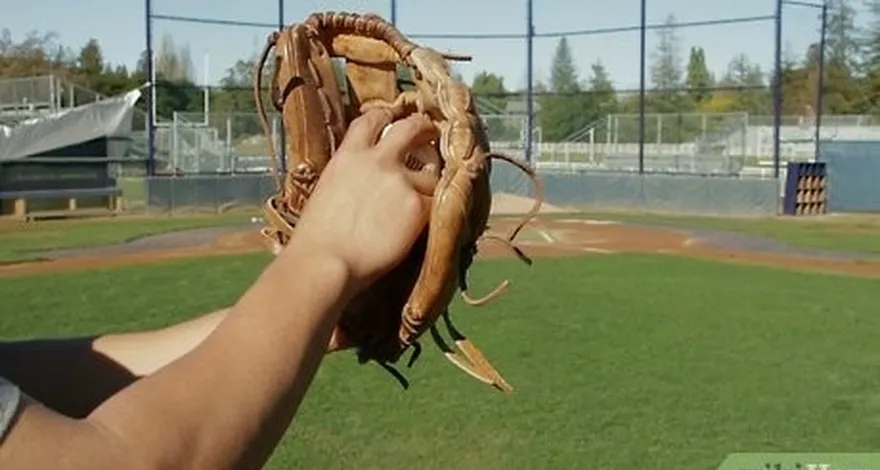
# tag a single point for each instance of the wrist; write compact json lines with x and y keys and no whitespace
{"x":311,"y":260}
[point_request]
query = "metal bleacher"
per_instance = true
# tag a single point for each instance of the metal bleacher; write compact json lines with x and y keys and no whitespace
{"x":736,"y":144}
{"x":28,"y":97}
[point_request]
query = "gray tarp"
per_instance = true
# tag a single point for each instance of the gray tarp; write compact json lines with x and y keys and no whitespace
{"x":106,"y":118}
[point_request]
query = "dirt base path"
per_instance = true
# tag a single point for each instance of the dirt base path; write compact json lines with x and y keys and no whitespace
{"x":543,"y":237}
{"x":566,"y":237}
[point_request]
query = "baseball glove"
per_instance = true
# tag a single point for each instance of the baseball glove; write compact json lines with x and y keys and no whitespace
{"x":317,"y":98}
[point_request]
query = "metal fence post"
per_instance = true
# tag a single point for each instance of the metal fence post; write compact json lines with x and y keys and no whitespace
{"x":282,"y":164}
{"x":643,"y":26}
{"x":777,"y":89}
{"x":151,"y":90}
{"x":530,"y":92}
{"x":820,"y":88}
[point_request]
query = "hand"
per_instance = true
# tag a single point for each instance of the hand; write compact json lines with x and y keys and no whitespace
{"x":368,"y":209}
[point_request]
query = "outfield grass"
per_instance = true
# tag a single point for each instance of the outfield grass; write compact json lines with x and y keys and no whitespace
{"x":855,"y":233}
{"x":20,"y":241}
{"x":619,"y":362}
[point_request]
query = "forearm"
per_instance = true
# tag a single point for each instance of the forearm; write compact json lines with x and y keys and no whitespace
{"x":74,"y":375}
{"x":268,"y":349}
{"x":144,"y":352}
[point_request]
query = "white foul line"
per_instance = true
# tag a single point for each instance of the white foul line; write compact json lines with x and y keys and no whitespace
{"x":590,"y":249}
{"x":546,"y":236}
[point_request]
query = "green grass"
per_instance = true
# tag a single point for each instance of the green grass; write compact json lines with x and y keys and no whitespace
{"x":854,"y":233}
{"x":20,"y":241}
{"x":619,"y":362}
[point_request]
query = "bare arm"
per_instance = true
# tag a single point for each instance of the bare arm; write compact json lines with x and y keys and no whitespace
{"x":227,"y":402}
{"x":74,"y":375}
{"x":241,"y":386}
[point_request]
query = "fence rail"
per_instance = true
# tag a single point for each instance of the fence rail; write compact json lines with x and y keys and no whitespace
{"x":691,"y":143}
{"x":574,"y":186}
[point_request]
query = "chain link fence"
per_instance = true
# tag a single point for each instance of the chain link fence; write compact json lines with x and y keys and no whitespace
{"x":669,"y":193}
{"x":674,"y":142}
{"x":195,"y":194}
{"x":700,"y":143}
{"x":219,"y":142}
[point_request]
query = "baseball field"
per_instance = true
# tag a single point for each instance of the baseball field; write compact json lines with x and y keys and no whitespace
{"x":632,"y":342}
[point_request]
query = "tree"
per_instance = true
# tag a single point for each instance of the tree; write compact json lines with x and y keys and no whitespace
{"x":869,"y":44}
{"x":699,"y":80}
{"x":36,"y":54}
{"x":842,"y":43}
{"x":746,"y":81}
{"x":603,"y":99}
{"x":173,"y":64}
{"x":667,"y":96}
{"x":563,"y":72}
{"x":140,"y":67}
{"x":490,"y":88}
{"x":91,"y":59}
{"x":490,"y":95}
{"x":564,"y":111}
{"x":842,"y":62}
{"x":666,"y":69}
{"x":92,"y":72}
{"x":566,"y":105}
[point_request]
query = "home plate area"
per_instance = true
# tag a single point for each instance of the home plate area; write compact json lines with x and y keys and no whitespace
{"x":565,"y":237}
{"x":562,"y":235}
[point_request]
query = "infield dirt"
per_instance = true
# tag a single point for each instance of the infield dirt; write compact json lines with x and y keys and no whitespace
{"x":557,"y":236}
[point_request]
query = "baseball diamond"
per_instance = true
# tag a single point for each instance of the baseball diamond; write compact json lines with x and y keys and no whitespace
{"x":658,"y":240}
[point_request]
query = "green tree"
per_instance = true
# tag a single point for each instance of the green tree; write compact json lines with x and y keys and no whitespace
{"x":750,"y":95}
{"x":668,"y":94}
{"x":175,"y":89}
{"x":795,"y":90}
{"x":667,"y":75}
{"x":98,"y":76}
{"x":490,"y":90}
{"x":564,"y":108}
{"x":36,"y":54}
{"x":91,"y":59}
{"x":842,"y":44}
{"x":699,"y":80}
{"x":603,"y":98}
{"x":869,"y":44}
{"x":491,"y":96}
{"x":842,"y":60}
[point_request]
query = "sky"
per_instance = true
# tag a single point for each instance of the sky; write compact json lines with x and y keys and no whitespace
{"x":119,"y":26}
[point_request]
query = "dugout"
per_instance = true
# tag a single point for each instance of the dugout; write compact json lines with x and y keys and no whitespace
{"x":66,"y":160}
{"x":78,"y":176}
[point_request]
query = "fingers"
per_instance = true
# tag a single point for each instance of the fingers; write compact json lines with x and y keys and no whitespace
{"x":405,"y":136}
{"x":423,"y":174}
{"x":407,"y":145}
{"x":403,"y":145}
{"x":364,"y":131}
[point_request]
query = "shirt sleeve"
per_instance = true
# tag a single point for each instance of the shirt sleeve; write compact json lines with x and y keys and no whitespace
{"x":10,"y":399}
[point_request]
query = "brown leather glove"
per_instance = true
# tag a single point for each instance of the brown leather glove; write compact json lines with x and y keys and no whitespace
{"x":317,"y":98}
